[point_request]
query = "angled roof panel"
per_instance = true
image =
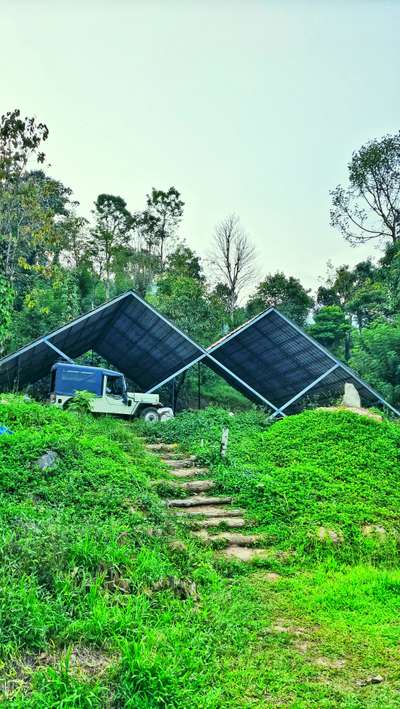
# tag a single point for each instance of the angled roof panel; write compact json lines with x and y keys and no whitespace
{"x":126,"y":331}
{"x":280,"y":361}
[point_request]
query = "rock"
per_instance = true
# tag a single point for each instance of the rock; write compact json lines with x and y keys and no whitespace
{"x":188,"y":472}
{"x":48,"y":460}
{"x":197,"y":485}
{"x":244,"y":553}
{"x":232,"y":522}
{"x":240,"y":540}
{"x":329,"y":535}
{"x":161,"y":446}
{"x":211,"y":511}
{"x":180,"y":462}
{"x":374,"y":679}
{"x":373,"y":530}
{"x":199,"y":500}
{"x":271,"y":576}
{"x":181,"y":588}
{"x":351,"y":396}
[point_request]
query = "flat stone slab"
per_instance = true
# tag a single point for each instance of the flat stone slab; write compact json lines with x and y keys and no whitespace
{"x":179,"y":463}
{"x":216,"y":521}
{"x":240,"y":540}
{"x":197,"y":485}
{"x":211,"y":511}
{"x":199,"y":500}
{"x":234,"y":551}
{"x":188,"y":472}
{"x":161,"y":446}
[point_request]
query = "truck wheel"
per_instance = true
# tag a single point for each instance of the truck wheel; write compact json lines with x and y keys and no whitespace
{"x":149,"y":414}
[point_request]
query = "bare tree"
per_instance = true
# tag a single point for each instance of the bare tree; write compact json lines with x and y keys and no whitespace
{"x":233,"y":258}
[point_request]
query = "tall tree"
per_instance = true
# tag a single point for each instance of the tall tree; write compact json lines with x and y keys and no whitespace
{"x":160,"y":219}
{"x":21,"y":213}
{"x":184,"y":262}
{"x":376,"y":357}
{"x":282,"y":292}
{"x":20,"y":141}
{"x":113,"y":225}
{"x":330,"y":328}
{"x":232,"y":258}
{"x":6,"y":304}
{"x":368,"y":207}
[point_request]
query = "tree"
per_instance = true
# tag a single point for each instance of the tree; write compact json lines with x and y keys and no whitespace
{"x":330,"y":328}
{"x":184,"y":262}
{"x":20,"y":141}
{"x":51,"y":299}
{"x":159,"y":221}
{"x":6,"y":309}
{"x":376,"y":357}
{"x":113,"y":224}
{"x":285,"y":293}
{"x":232,"y":258}
{"x":22,"y":213}
{"x":36,"y":218}
{"x":369,"y":206}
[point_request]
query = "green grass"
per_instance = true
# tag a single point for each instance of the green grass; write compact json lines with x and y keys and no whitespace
{"x":331,"y":469}
{"x":84,"y":544}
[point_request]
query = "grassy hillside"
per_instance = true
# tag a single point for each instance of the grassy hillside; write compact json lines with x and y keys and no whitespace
{"x":83,"y":546}
{"x":88,"y":617}
{"x":330,"y":469}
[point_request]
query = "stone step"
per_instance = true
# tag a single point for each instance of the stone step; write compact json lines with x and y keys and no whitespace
{"x":179,"y":462}
{"x":162,"y":447}
{"x":231,"y":538}
{"x":199,"y":500}
{"x":188,"y":472}
{"x":211,"y":511}
{"x":234,"y":551}
{"x":232,"y":522}
{"x":196,"y":485}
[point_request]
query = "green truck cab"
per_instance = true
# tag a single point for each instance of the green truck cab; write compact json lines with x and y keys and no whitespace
{"x":109,"y":389}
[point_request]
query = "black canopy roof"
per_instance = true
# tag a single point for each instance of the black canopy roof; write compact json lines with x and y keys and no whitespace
{"x":126,"y":331}
{"x":269,"y":358}
{"x":283,"y":364}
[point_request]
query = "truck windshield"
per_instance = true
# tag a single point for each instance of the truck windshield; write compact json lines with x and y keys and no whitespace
{"x":115,"y":386}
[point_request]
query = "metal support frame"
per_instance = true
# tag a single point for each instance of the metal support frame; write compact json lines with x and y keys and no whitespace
{"x":53,"y":347}
{"x":340,"y":364}
{"x":207,"y":354}
{"x":304,"y":391}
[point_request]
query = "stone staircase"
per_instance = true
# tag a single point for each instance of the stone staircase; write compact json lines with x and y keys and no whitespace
{"x":208,"y":517}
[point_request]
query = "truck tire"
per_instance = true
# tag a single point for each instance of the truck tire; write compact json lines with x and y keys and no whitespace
{"x":149,"y":414}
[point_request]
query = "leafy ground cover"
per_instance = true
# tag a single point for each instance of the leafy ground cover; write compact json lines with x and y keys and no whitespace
{"x":336,"y":607}
{"x":88,"y":617}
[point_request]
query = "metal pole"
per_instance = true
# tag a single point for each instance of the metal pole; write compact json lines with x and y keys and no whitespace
{"x":173,"y":395}
{"x":198,"y":386}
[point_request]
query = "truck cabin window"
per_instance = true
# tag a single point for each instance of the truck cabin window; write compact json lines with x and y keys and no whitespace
{"x":115,"y":386}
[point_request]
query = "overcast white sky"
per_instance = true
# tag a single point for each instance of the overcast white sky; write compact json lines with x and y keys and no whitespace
{"x":251,"y":107}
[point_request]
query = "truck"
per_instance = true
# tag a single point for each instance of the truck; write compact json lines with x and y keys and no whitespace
{"x":109,"y":388}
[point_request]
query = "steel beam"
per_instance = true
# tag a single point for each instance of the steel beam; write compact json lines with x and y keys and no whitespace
{"x":53,"y":347}
{"x":304,"y":391}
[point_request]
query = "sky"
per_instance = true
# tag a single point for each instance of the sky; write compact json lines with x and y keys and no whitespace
{"x":251,"y":107}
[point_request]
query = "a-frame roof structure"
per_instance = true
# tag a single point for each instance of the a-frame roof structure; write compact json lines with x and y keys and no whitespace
{"x":269,"y":358}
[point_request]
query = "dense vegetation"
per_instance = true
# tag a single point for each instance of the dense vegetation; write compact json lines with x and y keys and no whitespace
{"x":56,"y":263}
{"x":89,"y":618}
{"x":331,"y":469}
